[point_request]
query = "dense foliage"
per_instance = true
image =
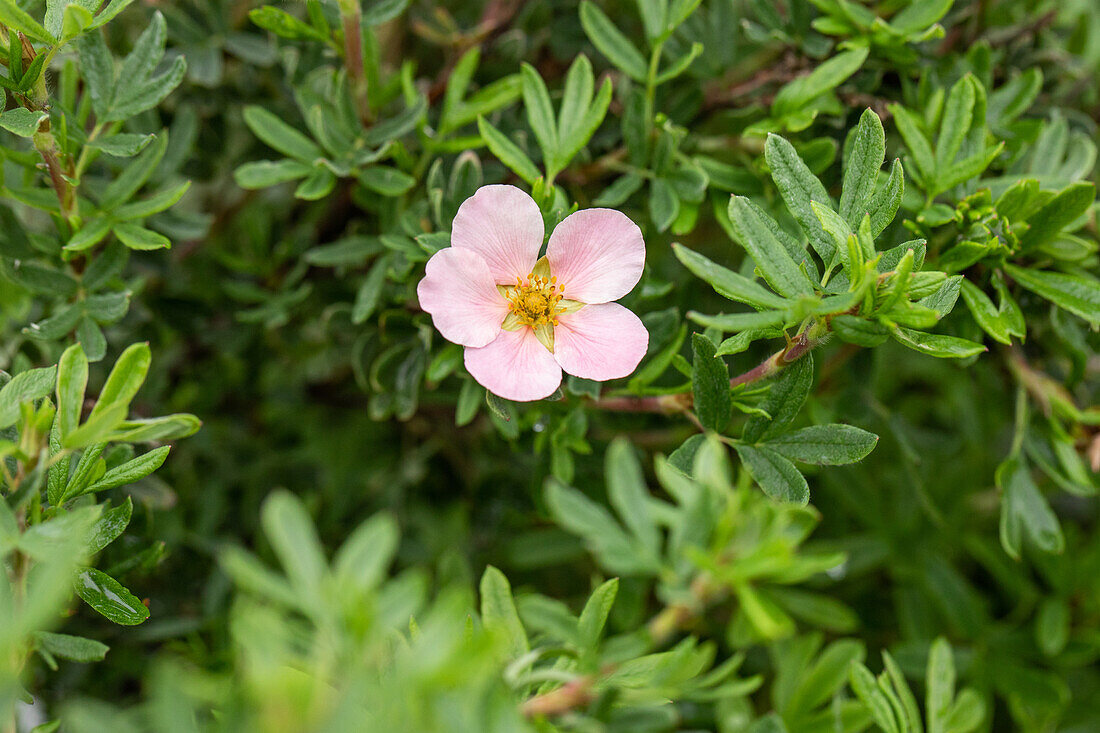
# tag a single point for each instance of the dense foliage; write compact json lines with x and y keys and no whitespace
{"x":851,"y":486}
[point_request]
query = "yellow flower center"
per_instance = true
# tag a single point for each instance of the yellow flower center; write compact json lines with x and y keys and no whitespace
{"x":536,"y":302}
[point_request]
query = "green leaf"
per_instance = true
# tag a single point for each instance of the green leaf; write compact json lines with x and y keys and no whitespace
{"x":868,"y":152}
{"x":22,"y":121}
{"x":109,"y":526}
{"x":940,"y":685}
{"x":664,"y":205}
{"x":776,"y":475}
{"x":73,"y":648}
{"x":920,"y":14}
{"x":131,"y":471}
{"x":710,"y":384}
{"x":285,"y":25}
{"x":826,"y":445}
{"x":627,"y":493}
{"x":155,"y":204}
{"x":498,"y":612}
{"x":1079,"y":295}
{"x":985,"y":313}
{"x":362,"y":560}
{"x":767,"y":251}
{"x":1058,"y":213}
{"x":30,"y":385}
{"x":167,"y":427}
{"x":316,"y":185}
{"x":139,"y":238}
{"x":938,"y":345}
{"x":863,"y":684}
{"x":884,"y":205}
{"x":799,"y":187}
{"x":370,"y":292}
{"x":386,"y":180}
{"x":265,"y":173}
{"x":122,"y":189}
{"x":957,"y":117}
{"x":726,"y":282}
{"x":124,"y":381}
{"x":919,"y":147}
{"x":825,"y":77}
{"x":540,"y":114}
{"x":507,"y":152}
{"x":596,"y":610}
{"x":294,"y":540}
{"x":680,"y":65}
{"x":271,"y":129}
{"x":611,"y":42}
{"x":109,"y":598}
{"x":1025,"y":512}
{"x":15,"y":18}
{"x":785,"y":398}
{"x":614,"y":548}
{"x":122,"y":145}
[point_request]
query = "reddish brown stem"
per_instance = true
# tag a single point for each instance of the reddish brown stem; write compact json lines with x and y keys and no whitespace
{"x":682,"y":402}
{"x":569,"y":696}
{"x":353,"y":56}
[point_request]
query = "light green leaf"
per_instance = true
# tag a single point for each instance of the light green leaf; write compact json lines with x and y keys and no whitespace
{"x":1077,"y":294}
{"x":826,"y":445}
{"x":938,"y":345}
{"x":498,"y":612}
{"x":868,"y":152}
{"x":776,"y":475}
{"x":109,"y":598}
{"x":611,"y":42}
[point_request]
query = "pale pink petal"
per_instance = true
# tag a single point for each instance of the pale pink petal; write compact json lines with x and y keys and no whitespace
{"x":597,"y":255}
{"x":600,"y":342}
{"x":459,"y":292}
{"x":515,"y":366}
{"x":503,"y":225}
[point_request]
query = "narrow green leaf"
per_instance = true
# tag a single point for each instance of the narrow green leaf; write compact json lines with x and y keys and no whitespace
{"x":498,"y":612}
{"x":799,"y":188}
{"x":627,"y":493}
{"x":596,"y":610}
{"x":938,"y":345}
{"x":540,"y":112}
{"x":868,"y":152}
{"x":507,"y":152}
{"x":131,"y":471}
{"x":271,"y":129}
{"x":25,"y":386}
{"x":1078,"y":294}
{"x":776,"y":475}
{"x":611,"y":42}
{"x":826,"y":445}
{"x":958,"y":114}
{"x":710,"y":383}
{"x":109,"y":598}
{"x":767,"y":251}
{"x":1058,"y":213}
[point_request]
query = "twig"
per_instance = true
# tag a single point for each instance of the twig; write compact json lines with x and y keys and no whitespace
{"x":682,"y":402}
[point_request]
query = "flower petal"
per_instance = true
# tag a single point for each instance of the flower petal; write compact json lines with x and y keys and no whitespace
{"x":459,"y":292}
{"x":597,"y":255}
{"x":503,"y":225}
{"x":600,"y":342}
{"x":515,"y":366}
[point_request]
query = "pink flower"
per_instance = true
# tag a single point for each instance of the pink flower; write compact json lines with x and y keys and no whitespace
{"x":523,"y":319}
